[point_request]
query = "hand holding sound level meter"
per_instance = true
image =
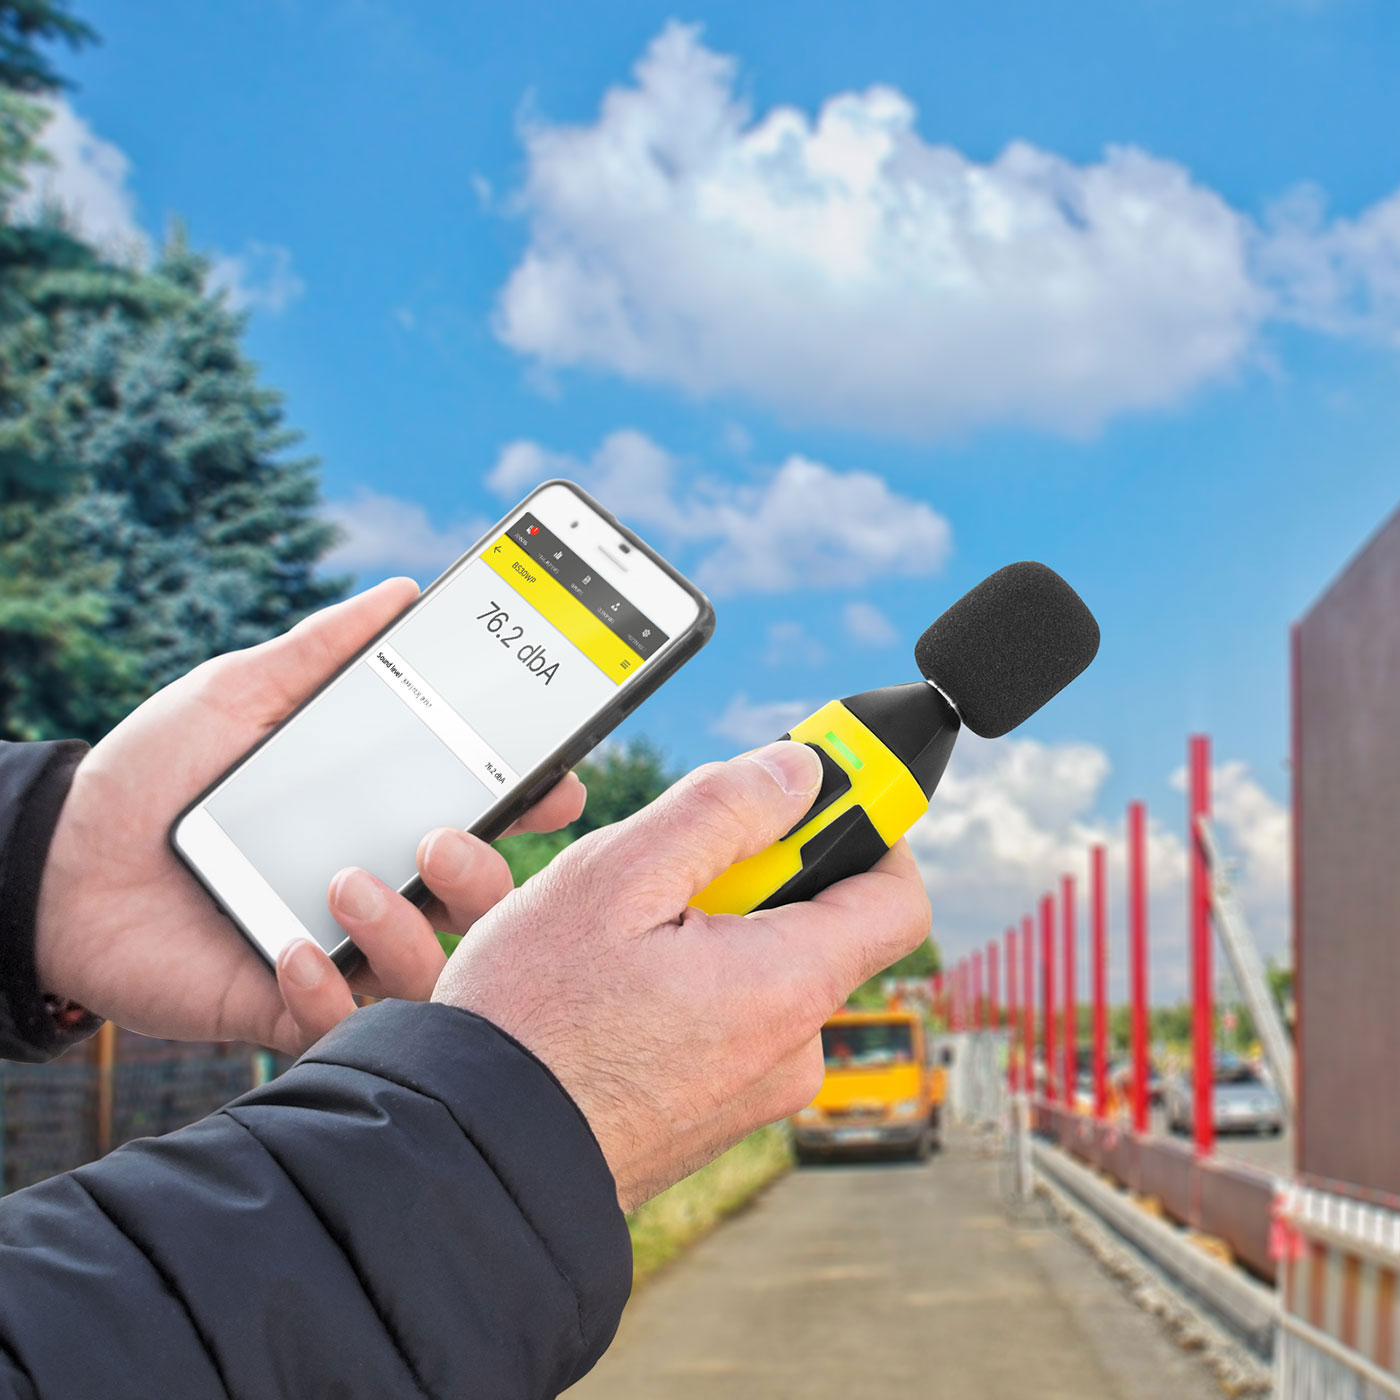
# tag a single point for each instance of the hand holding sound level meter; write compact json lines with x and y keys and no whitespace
{"x":990,"y":662}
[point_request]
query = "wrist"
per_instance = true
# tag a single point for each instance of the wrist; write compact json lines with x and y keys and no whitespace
{"x":55,"y":919}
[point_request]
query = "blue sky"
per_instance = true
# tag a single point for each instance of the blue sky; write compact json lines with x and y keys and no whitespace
{"x":1158,"y":347}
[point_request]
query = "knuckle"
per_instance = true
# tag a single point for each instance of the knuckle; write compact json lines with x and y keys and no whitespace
{"x":827,"y":995}
{"x":808,"y":999}
{"x":798,"y":1085}
{"x":919,"y":922}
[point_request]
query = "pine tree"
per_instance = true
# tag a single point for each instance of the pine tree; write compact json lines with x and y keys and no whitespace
{"x":26,"y":75}
{"x":198,"y":530}
{"x":150,"y":513}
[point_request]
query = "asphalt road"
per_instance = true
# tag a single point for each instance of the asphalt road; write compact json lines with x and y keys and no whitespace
{"x":890,"y":1280}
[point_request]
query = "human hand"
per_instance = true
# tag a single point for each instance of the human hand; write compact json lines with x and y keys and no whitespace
{"x":125,"y":930}
{"x":676,"y":1032}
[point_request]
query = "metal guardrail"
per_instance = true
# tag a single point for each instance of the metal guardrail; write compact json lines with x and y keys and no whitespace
{"x":1248,"y":1309}
{"x":1227,"y":1200}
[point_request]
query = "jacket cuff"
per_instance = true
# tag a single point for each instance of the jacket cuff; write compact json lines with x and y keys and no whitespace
{"x":522,"y":1120}
{"x":34,"y":783}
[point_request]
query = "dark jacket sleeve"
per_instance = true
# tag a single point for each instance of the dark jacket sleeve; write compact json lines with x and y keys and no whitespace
{"x":34,"y":781}
{"x":415,"y":1209}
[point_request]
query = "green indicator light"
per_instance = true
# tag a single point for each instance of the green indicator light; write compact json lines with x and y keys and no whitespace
{"x":843,"y":750}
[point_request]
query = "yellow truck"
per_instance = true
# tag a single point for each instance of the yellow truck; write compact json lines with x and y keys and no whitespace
{"x":882,"y":1093}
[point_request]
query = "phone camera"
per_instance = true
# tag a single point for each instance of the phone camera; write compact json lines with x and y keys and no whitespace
{"x":624,"y":547}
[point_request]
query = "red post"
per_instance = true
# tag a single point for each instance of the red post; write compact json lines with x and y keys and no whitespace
{"x":1203,"y":1018}
{"x":1047,"y":991}
{"x":1137,"y":954}
{"x":979,"y":1006}
{"x":1028,"y":1005}
{"x":993,"y":988}
{"x":1098,"y":898}
{"x":936,"y":987}
{"x":1071,"y":1021}
{"x":1013,"y":1019}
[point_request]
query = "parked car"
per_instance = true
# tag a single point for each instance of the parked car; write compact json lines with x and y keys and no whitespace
{"x":1243,"y":1102}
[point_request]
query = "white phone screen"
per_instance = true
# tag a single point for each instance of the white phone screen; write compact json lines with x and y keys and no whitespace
{"x":443,"y":717}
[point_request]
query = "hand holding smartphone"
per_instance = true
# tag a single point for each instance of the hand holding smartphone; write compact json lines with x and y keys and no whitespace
{"x":506,"y":672}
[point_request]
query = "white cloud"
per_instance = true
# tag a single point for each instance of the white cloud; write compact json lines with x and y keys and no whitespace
{"x":847,"y":270}
{"x":385,"y":534}
{"x":842,"y":268}
{"x":811,"y":526}
{"x":749,"y":723}
{"x":88,"y":178}
{"x":1012,"y":816}
{"x":803,"y":525}
{"x":629,"y":472}
{"x":258,"y":279}
{"x":1341,"y":277}
{"x":866,"y":624}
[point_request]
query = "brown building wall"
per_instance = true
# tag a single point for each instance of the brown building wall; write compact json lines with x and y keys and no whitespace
{"x":1348,"y":935}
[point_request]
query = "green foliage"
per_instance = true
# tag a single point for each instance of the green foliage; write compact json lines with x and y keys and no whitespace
{"x":53,"y":613}
{"x":24,"y":24}
{"x":529,"y":853}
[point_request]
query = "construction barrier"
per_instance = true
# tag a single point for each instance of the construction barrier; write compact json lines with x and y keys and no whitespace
{"x":1340,"y":1314}
{"x":1226,"y":1200}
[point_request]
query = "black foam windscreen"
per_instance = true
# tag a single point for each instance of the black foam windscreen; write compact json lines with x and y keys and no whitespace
{"x":1007,"y":646}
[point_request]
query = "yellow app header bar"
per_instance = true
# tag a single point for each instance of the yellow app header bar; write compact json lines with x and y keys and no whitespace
{"x":591,"y":635}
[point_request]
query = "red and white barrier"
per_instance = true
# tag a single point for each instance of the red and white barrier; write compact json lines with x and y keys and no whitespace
{"x":1339,"y":1291}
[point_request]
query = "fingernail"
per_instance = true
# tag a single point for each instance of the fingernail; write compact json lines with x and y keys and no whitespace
{"x":359,"y":894}
{"x":448,"y":856}
{"x":797,"y":769}
{"x":303,"y":964}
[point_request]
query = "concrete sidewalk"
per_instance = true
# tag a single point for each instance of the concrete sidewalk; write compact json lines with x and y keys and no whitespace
{"x":861,"y":1282}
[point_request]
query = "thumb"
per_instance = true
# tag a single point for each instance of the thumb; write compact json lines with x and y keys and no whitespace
{"x":719,"y":814}
{"x":277,"y":675}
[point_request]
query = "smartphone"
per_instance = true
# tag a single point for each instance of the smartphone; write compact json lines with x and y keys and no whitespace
{"x":463,"y":712}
